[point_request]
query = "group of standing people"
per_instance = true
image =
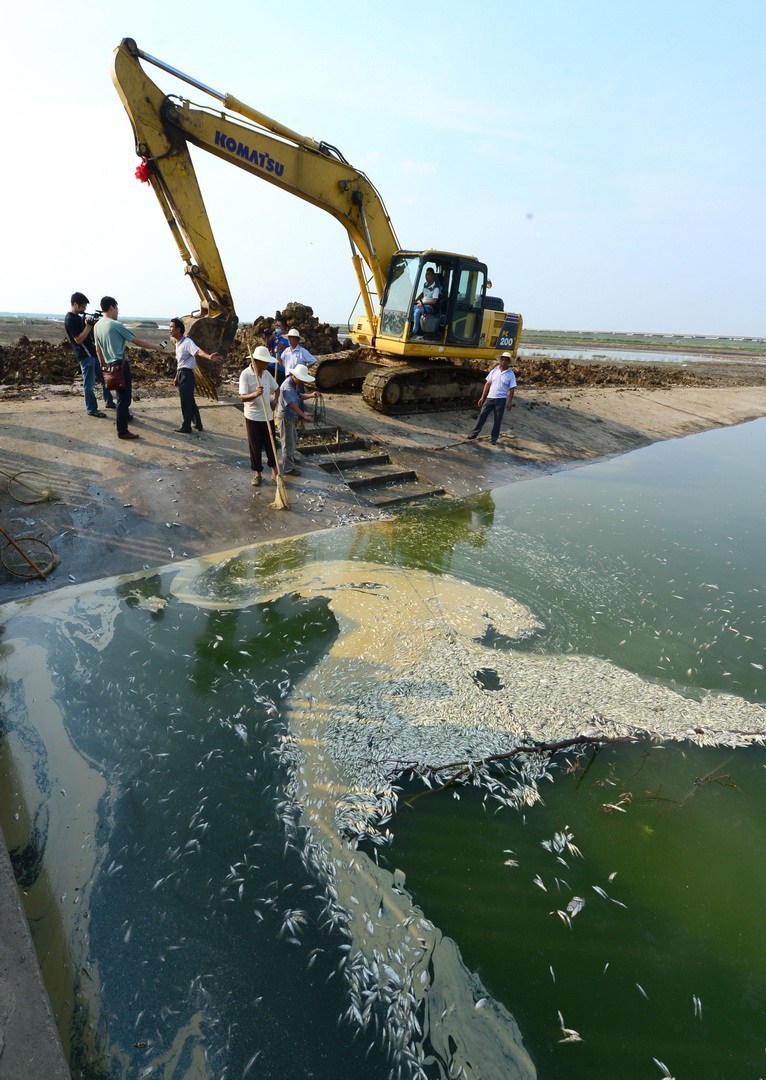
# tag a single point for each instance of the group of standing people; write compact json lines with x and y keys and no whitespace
{"x":99,"y":342}
{"x":273,"y":387}
{"x":266,"y":401}
{"x":286,"y":352}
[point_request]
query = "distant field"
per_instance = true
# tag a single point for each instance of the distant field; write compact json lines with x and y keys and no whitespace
{"x":740,"y":346}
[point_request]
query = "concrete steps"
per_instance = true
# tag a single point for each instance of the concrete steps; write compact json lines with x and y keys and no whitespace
{"x":367,"y":470}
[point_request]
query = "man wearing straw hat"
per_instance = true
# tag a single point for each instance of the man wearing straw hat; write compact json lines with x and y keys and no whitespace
{"x":295,"y":354}
{"x":258,"y":388}
{"x":290,"y":412}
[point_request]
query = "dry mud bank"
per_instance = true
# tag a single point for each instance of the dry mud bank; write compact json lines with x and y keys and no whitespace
{"x":120,"y":507}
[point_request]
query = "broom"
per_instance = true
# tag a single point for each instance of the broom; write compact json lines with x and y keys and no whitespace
{"x":281,"y":502}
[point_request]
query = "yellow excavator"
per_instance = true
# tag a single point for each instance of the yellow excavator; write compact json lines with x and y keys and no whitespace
{"x":401,"y":372}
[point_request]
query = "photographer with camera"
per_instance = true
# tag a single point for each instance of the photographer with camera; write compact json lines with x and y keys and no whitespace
{"x":79,"y":328}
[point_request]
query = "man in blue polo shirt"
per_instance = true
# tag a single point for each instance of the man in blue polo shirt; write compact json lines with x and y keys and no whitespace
{"x":290,"y":412}
{"x":496,"y":397}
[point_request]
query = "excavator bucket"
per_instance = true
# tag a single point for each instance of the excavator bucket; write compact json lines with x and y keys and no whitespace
{"x":213,"y":333}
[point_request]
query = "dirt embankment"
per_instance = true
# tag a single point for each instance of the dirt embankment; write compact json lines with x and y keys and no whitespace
{"x":41,"y":356}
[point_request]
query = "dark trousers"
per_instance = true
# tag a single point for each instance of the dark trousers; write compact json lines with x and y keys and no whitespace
{"x":189,"y":411}
{"x":491,"y":406}
{"x":124,"y":399}
{"x":258,"y":441}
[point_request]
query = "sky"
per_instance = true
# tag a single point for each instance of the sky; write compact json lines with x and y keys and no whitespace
{"x":606,"y":160}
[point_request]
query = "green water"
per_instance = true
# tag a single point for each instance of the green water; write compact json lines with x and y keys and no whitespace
{"x":176,"y":828}
{"x":687,"y":854}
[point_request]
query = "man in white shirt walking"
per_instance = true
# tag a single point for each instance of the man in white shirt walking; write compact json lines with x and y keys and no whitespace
{"x":496,"y":397}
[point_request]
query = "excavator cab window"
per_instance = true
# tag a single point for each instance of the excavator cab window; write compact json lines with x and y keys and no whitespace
{"x":465,"y":321}
{"x":403,"y":275}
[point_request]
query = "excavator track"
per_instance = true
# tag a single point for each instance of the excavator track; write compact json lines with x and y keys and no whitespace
{"x":426,"y":387}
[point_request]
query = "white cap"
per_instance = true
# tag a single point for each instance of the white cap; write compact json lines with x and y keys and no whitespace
{"x":260,"y":352}
{"x":301,"y":372}
{"x":293,"y":333}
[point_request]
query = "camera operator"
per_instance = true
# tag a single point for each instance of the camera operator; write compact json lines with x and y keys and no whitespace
{"x":79,"y":330}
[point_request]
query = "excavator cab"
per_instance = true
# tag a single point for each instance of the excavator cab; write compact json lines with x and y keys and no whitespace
{"x":457,"y":318}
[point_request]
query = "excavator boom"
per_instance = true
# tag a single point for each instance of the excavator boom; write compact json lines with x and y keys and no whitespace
{"x":165,"y":126}
{"x":462,"y":324}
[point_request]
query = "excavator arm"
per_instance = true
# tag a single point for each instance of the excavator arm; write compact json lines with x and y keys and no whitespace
{"x":165,"y":126}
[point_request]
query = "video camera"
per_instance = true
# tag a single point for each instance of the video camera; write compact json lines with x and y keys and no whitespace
{"x":92,"y":317}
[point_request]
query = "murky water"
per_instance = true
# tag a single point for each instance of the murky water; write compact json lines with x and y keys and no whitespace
{"x":182,"y":930}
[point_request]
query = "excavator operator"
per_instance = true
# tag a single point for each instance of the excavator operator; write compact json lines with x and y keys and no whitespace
{"x":426,"y":302}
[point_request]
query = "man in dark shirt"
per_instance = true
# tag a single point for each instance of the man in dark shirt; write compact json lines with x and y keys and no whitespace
{"x":79,"y":330}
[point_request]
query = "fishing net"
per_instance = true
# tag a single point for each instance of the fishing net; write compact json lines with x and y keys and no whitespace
{"x":319,"y":410}
{"x":27,"y":557}
{"x":29,"y":487}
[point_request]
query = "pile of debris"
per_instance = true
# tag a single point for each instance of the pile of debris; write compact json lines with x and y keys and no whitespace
{"x":318,"y":338}
{"x":43,"y":363}
{"x":553,"y":371}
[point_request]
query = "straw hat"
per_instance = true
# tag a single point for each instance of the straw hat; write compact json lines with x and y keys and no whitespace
{"x":293,"y":333}
{"x":260,"y":352}
{"x":301,"y":372}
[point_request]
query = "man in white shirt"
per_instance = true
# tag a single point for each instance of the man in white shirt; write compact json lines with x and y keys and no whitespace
{"x":186,"y":361}
{"x":496,"y":397}
{"x":426,"y":303}
{"x":258,"y":389}
{"x":295,"y":354}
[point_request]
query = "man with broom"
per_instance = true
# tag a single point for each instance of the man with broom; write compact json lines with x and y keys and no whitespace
{"x":258,"y":390}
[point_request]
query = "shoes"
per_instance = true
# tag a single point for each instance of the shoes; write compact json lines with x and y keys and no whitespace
{"x":472,"y":436}
{"x":493,"y":441}
{"x":293,"y":472}
{"x":100,"y":415}
{"x":127,"y":435}
{"x":257,"y":480}
{"x":199,"y":427}
{"x":274,"y":478}
{"x":110,"y":405}
{"x":182,"y":430}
